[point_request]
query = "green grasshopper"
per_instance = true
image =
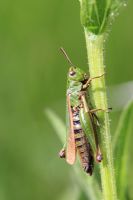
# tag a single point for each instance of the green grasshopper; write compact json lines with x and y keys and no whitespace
{"x":82,"y":121}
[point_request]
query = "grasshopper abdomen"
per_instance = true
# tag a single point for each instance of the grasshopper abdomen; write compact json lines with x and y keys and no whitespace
{"x":82,"y":145}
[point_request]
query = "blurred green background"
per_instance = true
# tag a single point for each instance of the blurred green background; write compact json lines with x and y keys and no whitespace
{"x":33,"y":77}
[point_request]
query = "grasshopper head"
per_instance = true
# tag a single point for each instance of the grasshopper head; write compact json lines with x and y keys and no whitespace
{"x":77,"y":74}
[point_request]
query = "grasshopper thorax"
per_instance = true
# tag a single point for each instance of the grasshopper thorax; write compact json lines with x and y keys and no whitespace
{"x":77,"y":74}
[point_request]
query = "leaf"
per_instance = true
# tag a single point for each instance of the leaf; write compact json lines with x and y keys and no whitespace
{"x":72,"y":192}
{"x":121,"y":150}
{"x":97,"y":14}
{"x":88,"y":184}
{"x":57,"y":124}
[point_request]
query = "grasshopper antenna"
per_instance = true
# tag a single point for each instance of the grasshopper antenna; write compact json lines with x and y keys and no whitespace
{"x":66,"y":56}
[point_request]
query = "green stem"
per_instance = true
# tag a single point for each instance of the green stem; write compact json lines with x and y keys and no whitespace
{"x":95,"y":55}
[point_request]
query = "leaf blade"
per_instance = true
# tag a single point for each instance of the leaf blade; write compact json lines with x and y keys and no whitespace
{"x":97,"y":14}
{"x":121,"y":150}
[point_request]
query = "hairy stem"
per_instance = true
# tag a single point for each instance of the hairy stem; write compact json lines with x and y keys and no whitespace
{"x":95,"y":56}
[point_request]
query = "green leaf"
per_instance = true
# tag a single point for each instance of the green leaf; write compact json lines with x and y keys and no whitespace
{"x":97,"y":14}
{"x":72,"y":192}
{"x":121,"y":150}
{"x":57,"y":124}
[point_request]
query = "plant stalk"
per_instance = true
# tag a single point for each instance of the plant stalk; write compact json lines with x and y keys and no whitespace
{"x":95,"y":54}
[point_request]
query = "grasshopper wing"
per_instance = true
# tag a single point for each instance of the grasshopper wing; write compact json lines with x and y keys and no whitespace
{"x":71,"y":147}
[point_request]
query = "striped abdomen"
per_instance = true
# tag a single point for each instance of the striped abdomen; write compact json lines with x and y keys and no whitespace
{"x":82,"y":145}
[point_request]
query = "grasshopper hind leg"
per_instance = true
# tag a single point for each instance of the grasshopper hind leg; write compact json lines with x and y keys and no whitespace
{"x":94,"y":121}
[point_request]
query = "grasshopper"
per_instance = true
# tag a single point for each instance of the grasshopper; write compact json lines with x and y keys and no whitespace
{"x":82,"y":121}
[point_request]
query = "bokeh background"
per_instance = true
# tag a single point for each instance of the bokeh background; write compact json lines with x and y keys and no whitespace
{"x":33,"y":78}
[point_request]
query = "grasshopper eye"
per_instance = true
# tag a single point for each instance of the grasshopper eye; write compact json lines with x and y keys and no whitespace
{"x":72,"y":73}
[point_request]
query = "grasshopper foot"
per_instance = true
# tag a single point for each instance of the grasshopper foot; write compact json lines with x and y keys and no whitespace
{"x":99,"y":157}
{"x":62,"y":153}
